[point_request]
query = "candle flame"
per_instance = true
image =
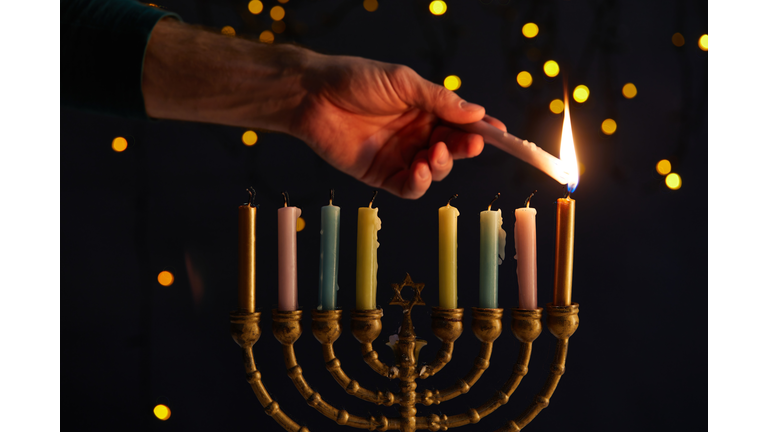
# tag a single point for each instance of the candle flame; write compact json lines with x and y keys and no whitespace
{"x":568,"y":151}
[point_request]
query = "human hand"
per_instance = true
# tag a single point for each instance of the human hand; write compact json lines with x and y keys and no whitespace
{"x":383,"y":124}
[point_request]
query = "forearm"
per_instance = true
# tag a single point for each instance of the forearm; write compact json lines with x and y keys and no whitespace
{"x":196,"y":75}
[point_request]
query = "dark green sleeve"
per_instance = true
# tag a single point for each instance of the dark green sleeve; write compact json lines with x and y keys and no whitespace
{"x":102,"y":54}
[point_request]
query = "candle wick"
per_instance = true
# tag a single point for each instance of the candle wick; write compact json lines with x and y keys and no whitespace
{"x":528,"y":201}
{"x":330,"y":202}
{"x":453,"y":197}
{"x":252,"y":197}
{"x":287,"y":200}
{"x":494,"y":200}
{"x":370,"y":204}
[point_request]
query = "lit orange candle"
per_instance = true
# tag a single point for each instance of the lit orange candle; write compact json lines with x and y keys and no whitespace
{"x":566,"y":216}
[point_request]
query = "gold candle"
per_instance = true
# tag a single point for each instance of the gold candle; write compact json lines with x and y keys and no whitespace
{"x":564,"y":229}
{"x":246,"y":215}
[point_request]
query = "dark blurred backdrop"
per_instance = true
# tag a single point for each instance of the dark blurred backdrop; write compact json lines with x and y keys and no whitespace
{"x":169,"y":202}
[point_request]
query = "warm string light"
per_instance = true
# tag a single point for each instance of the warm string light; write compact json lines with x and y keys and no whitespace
{"x":277,"y":13}
{"x":119,"y":144}
{"x":267,"y":37}
{"x":165,"y":278}
{"x":609,"y":126}
{"x":228,"y":31}
{"x":678,"y":40}
{"x":162,"y":412}
{"x":370,"y":5}
{"x":704,"y":42}
{"x":556,"y":106}
{"x":551,"y":68}
{"x":278,"y":26}
{"x":250,"y":138}
{"x":255,"y":7}
{"x":663,"y":167}
{"x":452,"y":82}
{"x":629,"y":90}
{"x":581,"y":93}
{"x":300,"y":224}
{"x":438,"y":7}
{"x":673,"y":181}
{"x":525,"y":79}
{"x":530,"y":30}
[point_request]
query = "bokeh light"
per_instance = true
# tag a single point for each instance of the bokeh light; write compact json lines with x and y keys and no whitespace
{"x":267,"y":36}
{"x":119,"y":144}
{"x":704,"y":42}
{"x":663,"y":167}
{"x":228,"y":31}
{"x":282,"y":1}
{"x":581,"y":93}
{"x":255,"y":7}
{"x":162,"y":412}
{"x":300,"y":224}
{"x":556,"y":106}
{"x":165,"y":278}
{"x":438,"y":7}
{"x":608,"y":126}
{"x":524,"y":79}
{"x":371,"y":5}
{"x":250,"y":138}
{"x":629,"y":90}
{"x":678,"y":40}
{"x":551,"y":68}
{"x":673,"y":181}
{"x":530,"y":30}
{"x":452,"y":82}
{"x":278,"y":26}
{"x":277,"y":13}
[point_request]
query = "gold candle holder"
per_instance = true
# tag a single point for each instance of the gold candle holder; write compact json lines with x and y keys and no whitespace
{"x":447,"y":326}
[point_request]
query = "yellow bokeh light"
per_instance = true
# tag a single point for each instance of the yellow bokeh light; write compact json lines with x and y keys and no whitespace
{"x":371,"y":5}
{"x":530,"y":30}
{"x":556,"y":106}
{"x":250,"y":138}
{"x":524,"y":79}
{"x":608,"y":126}
{"x":277,"y":13}
{"x":551,"y":68}
{"x":300,"y":224}
{"x":673,"y":181}
{"x":663,"y":167}
{"x":704,"y":42}
{"x":165,"y":278}
{"x":267,"y":36}
{"x":678,"y":40}
{"x":278,"y":26}
{"x":438,"y":7}
{"x":629,"y":90}
{"x":452,"y":82}
{"x":581,"y":93}
{"x":255,"y":7}
{"x":162,"y":412}
{"x":228,"y":31}
{"x":119,"y":144}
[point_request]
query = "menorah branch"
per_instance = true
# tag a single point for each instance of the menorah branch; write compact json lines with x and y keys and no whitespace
{"x":486,"y":325}
{"x":366,"y":327}
{"x":245,"y":329}
{"x":447,"y":326}
{"x":286,"y":326}
{"x":326,"y":327}
{"x":562,"y":322}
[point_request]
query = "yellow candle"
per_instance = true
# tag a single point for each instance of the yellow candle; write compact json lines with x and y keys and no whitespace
{"x":448,"y":217}
{"x":368,"y":226}
{"x":246,"y":215}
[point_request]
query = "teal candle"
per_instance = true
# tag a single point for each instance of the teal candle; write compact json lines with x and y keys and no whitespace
{"x":492,"y":241}
{"x":329,"y":256}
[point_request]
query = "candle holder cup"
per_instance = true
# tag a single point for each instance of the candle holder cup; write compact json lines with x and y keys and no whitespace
{"x":447,"y":326}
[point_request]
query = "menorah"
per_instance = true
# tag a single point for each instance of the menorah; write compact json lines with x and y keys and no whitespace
{"x":447,"y":326}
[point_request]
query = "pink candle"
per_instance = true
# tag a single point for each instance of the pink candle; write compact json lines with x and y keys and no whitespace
{"x":525,"y":248}
{"x":287,"y":295}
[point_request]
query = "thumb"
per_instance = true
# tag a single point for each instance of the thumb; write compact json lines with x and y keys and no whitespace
{"x":436,"y":99}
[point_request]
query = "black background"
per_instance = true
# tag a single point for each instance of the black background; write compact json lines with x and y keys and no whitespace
{"x":169,"y":202}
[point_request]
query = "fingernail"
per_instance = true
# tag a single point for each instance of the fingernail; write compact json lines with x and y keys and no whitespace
{"x":467,"y":106}
{"x":422,"y":172}
{"x":442,"y":159}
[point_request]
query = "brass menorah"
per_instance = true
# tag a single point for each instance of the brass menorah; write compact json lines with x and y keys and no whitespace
{"x":447,"y":326}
